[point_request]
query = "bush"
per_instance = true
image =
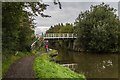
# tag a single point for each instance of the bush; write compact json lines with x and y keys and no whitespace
{"x":98,"y":29}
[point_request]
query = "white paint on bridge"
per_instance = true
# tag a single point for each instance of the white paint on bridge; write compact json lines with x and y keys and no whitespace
{"x":51,"y":36}
{"x":60,"y":36}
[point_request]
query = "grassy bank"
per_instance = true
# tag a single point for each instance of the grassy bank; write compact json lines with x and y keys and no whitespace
{"x":12,"y":58}
{"x":44,"y":68}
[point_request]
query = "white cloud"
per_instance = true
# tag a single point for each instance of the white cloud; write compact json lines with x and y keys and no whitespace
{"x":40,"y":30}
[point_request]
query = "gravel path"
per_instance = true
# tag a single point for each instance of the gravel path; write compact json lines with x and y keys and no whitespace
{"x":23,"y":69}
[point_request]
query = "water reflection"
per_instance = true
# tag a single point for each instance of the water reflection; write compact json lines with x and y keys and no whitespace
{"x":92,"y":65}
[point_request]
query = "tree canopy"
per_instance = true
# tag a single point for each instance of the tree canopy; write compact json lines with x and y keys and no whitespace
{"x":61,"y":28}
{"x":98,"y":29}
{"x":17,"y":24}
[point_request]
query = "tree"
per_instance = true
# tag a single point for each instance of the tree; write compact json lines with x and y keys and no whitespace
{"x":68,"y":28}
{"x":97,"y":29}
{"x":17,"y":24}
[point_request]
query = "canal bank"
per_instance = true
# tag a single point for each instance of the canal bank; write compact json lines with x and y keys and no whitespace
{"x":44,"y":67}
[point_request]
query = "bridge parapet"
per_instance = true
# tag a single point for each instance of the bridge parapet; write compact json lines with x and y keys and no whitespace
{"x":59,"y":35}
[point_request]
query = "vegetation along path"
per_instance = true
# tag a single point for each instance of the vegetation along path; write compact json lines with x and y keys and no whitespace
{"x":21,"y":69}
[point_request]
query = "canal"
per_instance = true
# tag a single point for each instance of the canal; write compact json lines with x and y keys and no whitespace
{"x":92,"y":65}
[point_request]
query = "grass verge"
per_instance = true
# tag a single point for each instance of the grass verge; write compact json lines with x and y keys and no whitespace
{"x":44,"y":68}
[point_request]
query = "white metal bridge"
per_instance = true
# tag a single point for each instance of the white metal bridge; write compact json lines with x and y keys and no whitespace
{"x":60,"y":36}
{"x":52,"y":36}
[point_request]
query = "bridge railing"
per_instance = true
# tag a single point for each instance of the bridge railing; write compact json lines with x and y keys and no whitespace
{"x":60,"y":35}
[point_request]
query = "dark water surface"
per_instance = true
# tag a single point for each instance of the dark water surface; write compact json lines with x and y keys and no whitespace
{"x":92,"y":65}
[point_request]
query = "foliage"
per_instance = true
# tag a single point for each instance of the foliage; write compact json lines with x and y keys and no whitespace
{"x":46,"y":69}
{"x":60,"y":28}
{"x":18,"y":30}
{"x":98,"y":29}
{"x":67,"y":28}
{"x":17,"y":24}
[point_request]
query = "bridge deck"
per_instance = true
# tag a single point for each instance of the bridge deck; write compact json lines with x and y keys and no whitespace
{"x":60,"y":36}
{"x":57,"y":36}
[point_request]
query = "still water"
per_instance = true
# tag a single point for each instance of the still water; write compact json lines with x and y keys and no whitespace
{"x":92,"y":65}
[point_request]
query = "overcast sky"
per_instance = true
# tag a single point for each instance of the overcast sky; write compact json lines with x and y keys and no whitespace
{"x":68,"y":13}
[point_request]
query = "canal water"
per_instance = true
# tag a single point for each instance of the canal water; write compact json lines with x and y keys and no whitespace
{"x":92,"y":65}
